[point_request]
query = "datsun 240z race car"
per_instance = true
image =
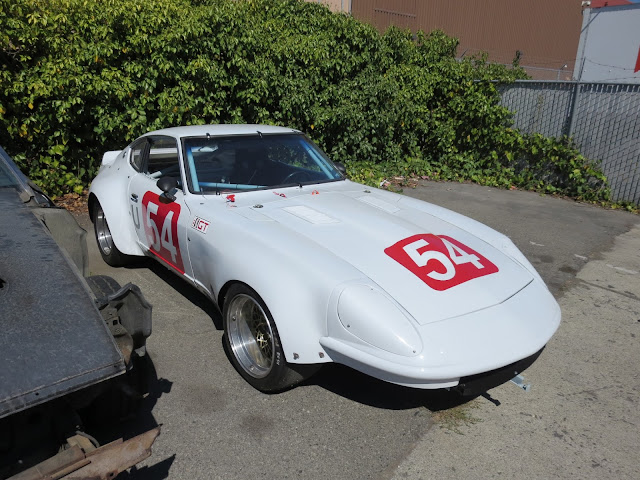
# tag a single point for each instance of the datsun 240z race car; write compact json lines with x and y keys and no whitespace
{"x":308,"y":267}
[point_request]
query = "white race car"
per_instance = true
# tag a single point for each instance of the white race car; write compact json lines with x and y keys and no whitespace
{"x":308,"y":267}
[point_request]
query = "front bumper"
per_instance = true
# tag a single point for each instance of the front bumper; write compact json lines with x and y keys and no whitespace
{"x":480,"y":350}
{"x":477,"y":384}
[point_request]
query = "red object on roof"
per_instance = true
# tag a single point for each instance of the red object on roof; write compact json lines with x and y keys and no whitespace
{"x":637,"y":63}
{"x":611,"y":3}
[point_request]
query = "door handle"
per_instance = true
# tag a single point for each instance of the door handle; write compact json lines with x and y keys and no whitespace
{"x":134,"y":198}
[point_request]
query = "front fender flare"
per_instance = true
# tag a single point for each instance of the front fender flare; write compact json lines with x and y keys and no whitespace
{"x":298,"y":301}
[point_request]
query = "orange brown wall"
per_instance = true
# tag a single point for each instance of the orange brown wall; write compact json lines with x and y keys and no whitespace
{"x":334,"y":5}
{"x":546,"y":32}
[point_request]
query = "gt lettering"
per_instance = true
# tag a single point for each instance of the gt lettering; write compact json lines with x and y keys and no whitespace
{"x":440,"y":261}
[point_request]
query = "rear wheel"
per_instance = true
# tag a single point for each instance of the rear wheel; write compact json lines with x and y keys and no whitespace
{"x":110,"y":253}
{"x":253,"y":343}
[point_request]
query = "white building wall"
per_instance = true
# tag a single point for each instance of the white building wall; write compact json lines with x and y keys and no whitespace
{"x":609,"y":48}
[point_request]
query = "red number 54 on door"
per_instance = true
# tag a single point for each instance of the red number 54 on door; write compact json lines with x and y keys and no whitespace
{"x":440,"y":261}
{"x":161,"y":228}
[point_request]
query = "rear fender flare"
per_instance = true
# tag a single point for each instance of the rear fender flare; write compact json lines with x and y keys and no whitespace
{"x":112,"y":196}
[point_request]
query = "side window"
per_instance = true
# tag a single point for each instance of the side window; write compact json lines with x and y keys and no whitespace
{"x":137,"y":155}
{"x":163,"y":157}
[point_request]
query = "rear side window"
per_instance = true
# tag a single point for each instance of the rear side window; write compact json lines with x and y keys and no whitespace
{"x":137,"y":155}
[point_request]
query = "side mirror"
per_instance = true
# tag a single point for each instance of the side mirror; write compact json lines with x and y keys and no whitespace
{"x":341,"y":168}
{"x":168,"y":185}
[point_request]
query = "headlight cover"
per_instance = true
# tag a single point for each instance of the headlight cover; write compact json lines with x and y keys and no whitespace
{"x":369,"y":315}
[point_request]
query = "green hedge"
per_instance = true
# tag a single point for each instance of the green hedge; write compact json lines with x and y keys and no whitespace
{"x":80,"y":77}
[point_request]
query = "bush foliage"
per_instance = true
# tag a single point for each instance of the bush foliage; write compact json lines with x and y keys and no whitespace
{"x":80,"y":77}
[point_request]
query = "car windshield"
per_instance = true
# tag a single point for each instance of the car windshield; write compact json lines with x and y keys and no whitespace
{"x":250,"y":162}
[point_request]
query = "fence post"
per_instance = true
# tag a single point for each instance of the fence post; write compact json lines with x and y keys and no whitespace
{"x":574,"y":99}
{"x":572,"y":113}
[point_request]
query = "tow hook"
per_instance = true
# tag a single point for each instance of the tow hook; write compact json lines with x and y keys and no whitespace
{"x":518,"y":380}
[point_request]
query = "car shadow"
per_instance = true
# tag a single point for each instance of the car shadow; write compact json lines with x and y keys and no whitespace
{"x":359,"y":387}
{"x":157,"y":471}
{"x":184,"y":288}
{"x":139,"y":421}
{"x":336,"y":378}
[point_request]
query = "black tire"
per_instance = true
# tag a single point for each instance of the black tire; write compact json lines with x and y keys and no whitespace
{"x":110,"y":253}
{"x":102,"y":285}
{"x":253,"y":344}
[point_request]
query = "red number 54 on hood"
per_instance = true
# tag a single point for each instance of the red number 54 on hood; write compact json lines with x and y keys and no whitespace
{"x":440,"y":261}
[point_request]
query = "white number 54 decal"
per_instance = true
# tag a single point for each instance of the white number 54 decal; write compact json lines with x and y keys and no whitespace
{"x":161,"y":229}
{"x":165,"y":239}
{"x":456,"y":255}
{"x":440,"y":261}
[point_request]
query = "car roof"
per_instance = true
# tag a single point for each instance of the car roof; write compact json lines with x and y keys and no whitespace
{"x":229,"y":129}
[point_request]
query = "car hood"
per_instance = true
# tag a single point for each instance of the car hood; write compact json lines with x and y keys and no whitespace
{"x":360,"y":227}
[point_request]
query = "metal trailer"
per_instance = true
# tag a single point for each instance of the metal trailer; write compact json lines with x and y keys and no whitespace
{"x":65,"y":342}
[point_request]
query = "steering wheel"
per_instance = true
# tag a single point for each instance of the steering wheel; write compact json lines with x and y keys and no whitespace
{"x":297,"y":173}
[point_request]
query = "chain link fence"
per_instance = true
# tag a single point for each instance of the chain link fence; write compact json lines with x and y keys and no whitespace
{"x":603,"y":119}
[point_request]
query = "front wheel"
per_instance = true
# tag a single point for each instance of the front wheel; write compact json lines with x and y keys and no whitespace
{"x":252,"y":341}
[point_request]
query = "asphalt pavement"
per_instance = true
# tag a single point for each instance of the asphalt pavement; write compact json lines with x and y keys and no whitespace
{"x":579,"y":420}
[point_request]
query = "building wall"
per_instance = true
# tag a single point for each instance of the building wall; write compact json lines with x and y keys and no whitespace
{"x":335,"y":5}
{"x":609,"y":48}
{"x":546,"y":32}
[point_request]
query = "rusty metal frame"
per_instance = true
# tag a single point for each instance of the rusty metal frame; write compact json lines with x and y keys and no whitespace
{"x":88,"y":462}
